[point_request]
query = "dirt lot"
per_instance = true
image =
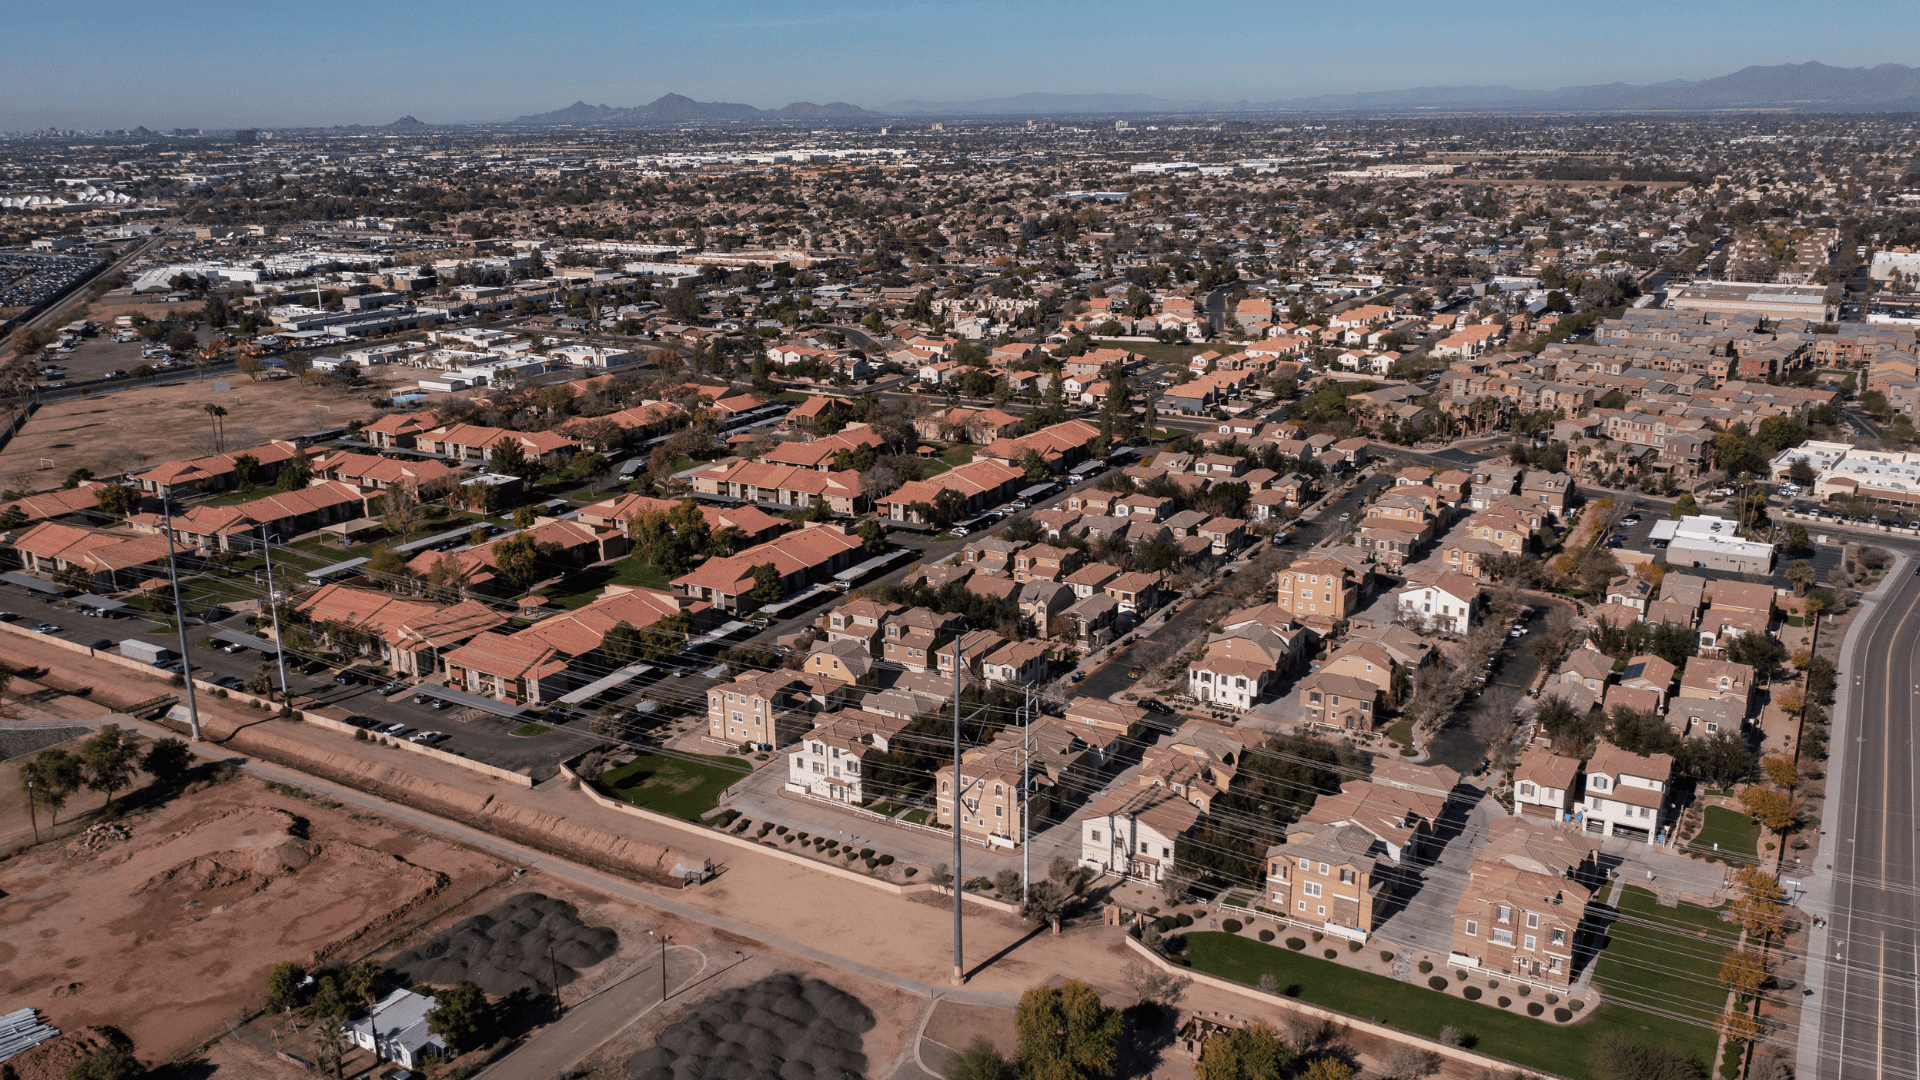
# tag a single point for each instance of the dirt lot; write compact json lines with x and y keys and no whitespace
{"x":110,"y":433}
{"x":172,"y":930}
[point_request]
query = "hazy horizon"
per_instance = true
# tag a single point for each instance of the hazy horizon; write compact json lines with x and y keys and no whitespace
{"x":222,"y":64}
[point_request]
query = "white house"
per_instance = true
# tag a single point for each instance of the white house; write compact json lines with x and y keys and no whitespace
{"x":1626,"y":793}
{"x":588,"y":356}
{"x":1131,"y":832}
{"x":828,"y":762}
{"x":397,"y":1030}
{"x":1543,"y":784}
{"x":1446,"y":601}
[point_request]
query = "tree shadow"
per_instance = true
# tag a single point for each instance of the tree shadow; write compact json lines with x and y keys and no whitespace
{"x":1149,"y":1030}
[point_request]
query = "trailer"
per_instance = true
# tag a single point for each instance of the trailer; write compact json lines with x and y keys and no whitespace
{"x":145,"y":651}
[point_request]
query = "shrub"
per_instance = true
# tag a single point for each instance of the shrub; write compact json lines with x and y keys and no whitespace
{"x":1231,"y":926}
{"x":1266,"y":935}
{"x":1354,"y":946}
{"x":1426,"y":967}
{"x":1292,"y":990}
{"x":871,"y":863}
{"x":1333,"y":954}
{"x":1523,"y":989}
{"x":1562,"y":1015}
{"x":1183,"y":920}
{"x":1534,"y":1008}
{"x":866,"y":853}
{"x":1576,"y":1004}
{"x":1153,"y":911}
{"x":1553,"y":999}
{"x":782,"y":830}
{"x":911,"y":870}
{"x":1493,"y":984}
{"x":1296,"y":944}
{"x":886,"y":860}
{"x":1318,"y":936}
{"x":1471,"y":993}
{"x":1506,"y":1002}
{"x":1386,"y":957}
{"x":1437,"y":983}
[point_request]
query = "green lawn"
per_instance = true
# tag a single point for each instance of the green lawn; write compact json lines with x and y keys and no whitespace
{"x":577,"y":590}
{"x":683,"y":787}
{"x":1673,"y":964}
{"x":1504,"y":1033}
{"x":934,"y":467}
{"x":1401,"y":731}
{"x":528,"y":731}
{"x":959,"y":453}
{"x":1736,"y":833}
{"x":1161,"y":352}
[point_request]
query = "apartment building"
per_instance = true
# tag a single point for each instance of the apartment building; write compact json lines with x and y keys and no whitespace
{"x":770,"y":709}
{"x":1519,"y":923}
{"x":1320,"y":586}
{"x":1330,"y":878}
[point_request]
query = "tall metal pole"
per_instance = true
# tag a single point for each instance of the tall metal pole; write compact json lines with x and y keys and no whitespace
{"x":32,"y":813}
{"x":959,"y":967}
{"x":273,"y":604}
{"x":180,"y":615}
{"x":1026,"y":796}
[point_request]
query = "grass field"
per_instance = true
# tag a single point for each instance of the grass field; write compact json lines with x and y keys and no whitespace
{"x":528,"y":731}
{"x":576,"y":590}
{"x":959,"y":453}
{"x":1736,"y":833}
{"x":683,"y":787}
{"x":1667,"y":957}
{"x":1504,"y":1033}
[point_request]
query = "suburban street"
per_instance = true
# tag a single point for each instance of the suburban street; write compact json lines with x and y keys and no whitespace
{"x":1870,"y":1020}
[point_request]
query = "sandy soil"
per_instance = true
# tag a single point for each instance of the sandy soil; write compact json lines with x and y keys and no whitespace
{"x":171,"y":931}
{"x":110,"y":433}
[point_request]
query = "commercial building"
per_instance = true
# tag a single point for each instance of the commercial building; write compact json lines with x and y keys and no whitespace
{"x":1712,"y":543}
{"x":1807,"y":302}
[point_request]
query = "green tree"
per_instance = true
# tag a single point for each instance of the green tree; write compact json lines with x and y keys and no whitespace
{"x":330,"y":1045}
{"x":1254,"y":1052}
{"x":520,"y":560}
{"x":1327,"y":1068}
{"x":1875,"y":403}
{"x":462,"y":1016}
{"x":115,"y":1061}
{"x":386,"y":562}
{"x":1616,"y":1057}
{"x":52,"y":777}
{"x":1157,"y":554}
{"x":167,"y":760}
{"x":1034,"y":466}
{"x":295,"y":472}
{"x":118,"y":499}
{"x":766,"y":584}
{"x":1066,"y":1033}
{"x":111,"y":757}
{"x":75,"y":478}
{"x":283,"y":986}
{"x":979,"y":1062}
{"x":873,"y":537}
{"x":509,"y":458}
{"x":1801,"y":573}
{"x":367,"y":980}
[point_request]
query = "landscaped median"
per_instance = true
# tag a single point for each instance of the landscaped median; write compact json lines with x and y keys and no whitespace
{"x":1507,"y":1033}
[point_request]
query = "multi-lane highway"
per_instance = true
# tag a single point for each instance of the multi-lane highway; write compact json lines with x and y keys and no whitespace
{"x":1869,"y":1014}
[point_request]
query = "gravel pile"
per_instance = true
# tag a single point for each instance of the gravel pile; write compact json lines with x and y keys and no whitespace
{"x":783,"y":1027}
{"x":18,"y":742}
{"x":507,"y":949}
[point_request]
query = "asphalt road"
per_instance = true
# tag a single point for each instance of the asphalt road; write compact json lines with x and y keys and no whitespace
{"x":1872,"y":1012}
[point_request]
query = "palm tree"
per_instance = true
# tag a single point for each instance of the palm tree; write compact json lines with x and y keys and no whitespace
{"x":214,"y":414}
{"x":1801,"y":574}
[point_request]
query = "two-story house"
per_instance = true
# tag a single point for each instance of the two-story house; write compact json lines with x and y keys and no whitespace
{"x":1544,"y":783}
{"x":1342,"y":702}
{"x":1132,"y":832}
{"x":913,"y":636}
{"x":828,"y":762}
{"x":767,"y":708}
{"x":1626,"y":794}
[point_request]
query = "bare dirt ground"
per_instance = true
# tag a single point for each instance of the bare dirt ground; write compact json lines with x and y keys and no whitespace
{"x":128,"y":429}
{"x":171,"y":931}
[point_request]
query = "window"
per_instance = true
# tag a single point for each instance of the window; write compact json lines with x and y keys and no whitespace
{"x":1558,"y":937}
{"x":1533,"y":920}
{"x":1305,"y":865}
{"x":1311,"y":888}
{"x":999,"y":811}
{"x":1531,"y":942}
{"x":1501,"y":937}
{"x":738,"y":717}
{"x":1553,"y":963}
{"x":1144,"y":849}
{"x":1303,"y":905}
{"x":819,"y":769}
{"x":1323,"y":910}
{"x":1599,"y":783}
{"x":1323,"y":869}
{"x":1599,"y":804}
{"x":943,"y":787}
{"x":1527,"y":790}
{"x":1347,"y":876}
{"x":1094,"y":835}
{"x":1473,"y":928}
{"x":1503,"y":914}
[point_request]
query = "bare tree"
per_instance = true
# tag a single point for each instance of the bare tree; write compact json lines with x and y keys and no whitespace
{"x":1149,"y":983}
{"x":1405,"y":1062}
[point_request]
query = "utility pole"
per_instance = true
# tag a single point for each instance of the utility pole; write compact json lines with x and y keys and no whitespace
{"x":1026,"y":796}
{"x":180,"y":614}
{"x":273,"y":603}
{"x":959,"y":967}
{"x":32,"y":813}
{"x":553,"y":974}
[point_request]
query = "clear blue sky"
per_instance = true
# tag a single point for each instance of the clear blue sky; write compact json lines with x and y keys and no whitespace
{"x":120,"y":63}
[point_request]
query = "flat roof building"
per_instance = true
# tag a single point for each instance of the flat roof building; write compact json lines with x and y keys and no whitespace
{"x":1713,"y":543}
{"x":1807,"y":302}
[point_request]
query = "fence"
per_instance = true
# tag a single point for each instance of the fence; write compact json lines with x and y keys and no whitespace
{"x":20,"y":418}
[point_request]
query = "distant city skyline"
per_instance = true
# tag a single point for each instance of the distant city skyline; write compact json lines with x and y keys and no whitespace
{"x":120,"y":65}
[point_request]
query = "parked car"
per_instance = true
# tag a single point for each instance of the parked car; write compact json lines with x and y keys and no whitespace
{"x":46,"y":628}
{"x":232,"y":648}
{"x":421,"y":699}
{"x":101,"y":643}
{"x":1630,"y":519}
{"x":391,"y":687}
{"x":427,"y":737}
{"x":438,"y":703}
{"x":395,"y":730}
{"x":363,"y":721}
{"x":7,"y":616}
{"x":228,"y":682}
{"x":349,"y":678}
{"x":313,"y":667}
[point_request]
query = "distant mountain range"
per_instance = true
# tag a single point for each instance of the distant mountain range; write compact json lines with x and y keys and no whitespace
{"x":680,"y":109}
{"x":1811,"y":86}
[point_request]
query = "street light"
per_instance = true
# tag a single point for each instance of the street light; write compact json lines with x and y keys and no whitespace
{"x":663,"y":961}
{"x":273,"y":604}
